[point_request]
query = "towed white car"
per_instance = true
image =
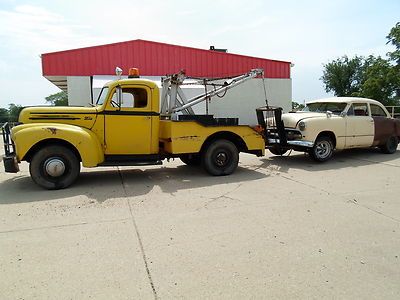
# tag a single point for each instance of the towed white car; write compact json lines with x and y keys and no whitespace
{"x":337,"y":123}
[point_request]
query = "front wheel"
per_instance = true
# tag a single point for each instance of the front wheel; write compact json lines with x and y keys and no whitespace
{"x":390,"y":146}
{"x":322,"y":150}
{"x":54,"y":167}
{"x":221,"y":157}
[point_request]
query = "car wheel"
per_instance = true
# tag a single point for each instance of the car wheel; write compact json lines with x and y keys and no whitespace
{"x":323,"y":149}
{"x":54,"y":167}
{"x":191,"y":159}
{"x":277,"y":150}
{"x":221,"y":157}
{"x":390,"y":145}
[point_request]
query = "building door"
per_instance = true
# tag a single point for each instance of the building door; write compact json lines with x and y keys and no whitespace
{"x":128,"y":128}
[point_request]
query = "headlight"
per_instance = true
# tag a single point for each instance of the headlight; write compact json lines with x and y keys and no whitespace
{"x":302,"y":125}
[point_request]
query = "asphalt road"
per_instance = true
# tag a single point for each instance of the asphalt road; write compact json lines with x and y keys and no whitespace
{"x":280,"y":227}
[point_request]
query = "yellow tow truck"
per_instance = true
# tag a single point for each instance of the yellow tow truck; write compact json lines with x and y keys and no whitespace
{"x":127,"y":127}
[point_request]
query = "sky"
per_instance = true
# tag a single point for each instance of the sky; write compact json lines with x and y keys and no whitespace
{"x":306,"y":33}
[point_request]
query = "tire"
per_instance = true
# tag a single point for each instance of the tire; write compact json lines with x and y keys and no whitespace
{"x":191,"y":159}
{"x":54,"y":167}
{"x":390,"y":146}
{"x":322,"y":150}
{"x":277,"y":150}
{"x":220,"y":158}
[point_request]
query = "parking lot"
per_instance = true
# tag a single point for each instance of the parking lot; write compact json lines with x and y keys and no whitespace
{"x":280,"y":227}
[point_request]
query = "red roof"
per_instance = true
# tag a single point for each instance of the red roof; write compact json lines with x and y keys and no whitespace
{"x":156,"y":59}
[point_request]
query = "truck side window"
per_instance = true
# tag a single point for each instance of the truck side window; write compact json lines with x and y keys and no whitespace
{"x":132,"y":98}
{"x":377,"y":111}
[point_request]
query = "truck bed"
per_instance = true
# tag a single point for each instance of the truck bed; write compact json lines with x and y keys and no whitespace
{"x":188,"y":136}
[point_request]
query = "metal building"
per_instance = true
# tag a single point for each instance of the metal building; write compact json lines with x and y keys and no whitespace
{"x":83,"y":71}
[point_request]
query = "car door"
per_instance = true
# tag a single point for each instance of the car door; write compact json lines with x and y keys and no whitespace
{"x":383,"y":124}
{"x":359,"y":126}
{"x":127,"y":129}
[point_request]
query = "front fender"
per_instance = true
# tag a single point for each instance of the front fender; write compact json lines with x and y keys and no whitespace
{"x":86,"y":142}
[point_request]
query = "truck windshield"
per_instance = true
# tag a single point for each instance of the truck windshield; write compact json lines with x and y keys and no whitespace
{"x":323,"y":107}
{"x":102,"y":96}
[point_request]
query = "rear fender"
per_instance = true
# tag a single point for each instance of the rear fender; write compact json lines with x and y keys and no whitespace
{"x":86,"y":143}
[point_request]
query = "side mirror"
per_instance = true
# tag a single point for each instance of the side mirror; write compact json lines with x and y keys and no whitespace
{"x":343,"y":114}
{"x":328,"y":114}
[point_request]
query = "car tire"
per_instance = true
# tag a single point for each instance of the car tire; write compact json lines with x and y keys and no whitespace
{"x":390,"y":146}
{"x":191,"y":159}
{"x":54,"y":167}
{"x":322,"y":150}
{"x":277,"y":150}
{"x":220,"y":158}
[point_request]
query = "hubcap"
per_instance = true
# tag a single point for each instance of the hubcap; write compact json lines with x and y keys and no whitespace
{"x":221,"y":159}
{"x":323,"y":149}
{"x":55,"y":167}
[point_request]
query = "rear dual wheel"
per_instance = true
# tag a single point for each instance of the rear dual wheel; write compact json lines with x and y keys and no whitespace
{"x":220,"y":158}
{"x":191,"y":159}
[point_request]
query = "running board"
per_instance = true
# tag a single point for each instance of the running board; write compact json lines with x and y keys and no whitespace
{"x":130,"y":163}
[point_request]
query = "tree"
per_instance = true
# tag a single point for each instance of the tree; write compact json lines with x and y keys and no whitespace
{"x":58,"y":99}
{"x":297,"y":106}
{"x":369,"y":77}
{"x":13,"y":112}
{"x":380,"y":81}
{"x":343,"y":76}
{"x":3,"y":115}
{"x":394,"y":39}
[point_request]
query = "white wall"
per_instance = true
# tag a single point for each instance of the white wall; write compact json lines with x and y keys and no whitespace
{"x":79,"y":93}
{"x":239,"y":102}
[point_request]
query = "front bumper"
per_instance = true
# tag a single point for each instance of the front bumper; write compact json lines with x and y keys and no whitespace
{"x":9,"y":159}
{"x":293,"y":139}
{"x":301,"y":143}
{"x":10,"y":164}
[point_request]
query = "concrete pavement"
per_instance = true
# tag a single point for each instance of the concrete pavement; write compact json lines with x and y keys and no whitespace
{"x":280,"y":227}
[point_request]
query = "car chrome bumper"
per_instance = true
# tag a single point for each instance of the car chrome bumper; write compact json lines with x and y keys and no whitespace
{"x":306,"y":144}
{"x":301,"y":143}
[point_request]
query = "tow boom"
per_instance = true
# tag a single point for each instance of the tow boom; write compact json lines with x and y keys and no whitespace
{"x":173,"y":99}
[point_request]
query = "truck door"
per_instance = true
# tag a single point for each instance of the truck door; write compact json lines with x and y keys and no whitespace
{"x":359,"y":126}
{"x":127,"y":129}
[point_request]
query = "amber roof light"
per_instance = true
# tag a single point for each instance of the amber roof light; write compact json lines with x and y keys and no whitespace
{"x":133,"y":73}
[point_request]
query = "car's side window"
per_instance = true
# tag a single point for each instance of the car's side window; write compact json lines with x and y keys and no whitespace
{"x":360,"y":109}
{"x":377,"y":111}
{"x":350,"y":111}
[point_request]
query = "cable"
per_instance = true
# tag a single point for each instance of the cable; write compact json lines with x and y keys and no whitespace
{"x":265,"y":90}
